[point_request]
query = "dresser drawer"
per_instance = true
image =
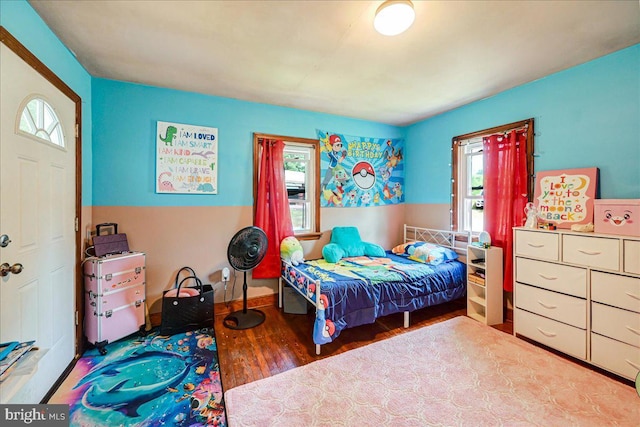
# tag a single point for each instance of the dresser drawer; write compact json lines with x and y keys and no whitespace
{"x":564,"y":338}
{"x":616,"y":290}
{"x":616,"y":323}
{"x":537,"y":244}
{"x":596,"y":252}
{"x":632,"y":256}
{"x":555,"y":277}
{"x":620,"y":358}
{"x":564,"y":308}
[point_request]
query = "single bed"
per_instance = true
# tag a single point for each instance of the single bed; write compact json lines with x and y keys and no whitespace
{"x":358,"y":290}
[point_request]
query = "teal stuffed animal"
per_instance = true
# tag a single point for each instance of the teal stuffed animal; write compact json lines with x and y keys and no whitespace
{"x":346,"y":242}
{"x":291,"y":250}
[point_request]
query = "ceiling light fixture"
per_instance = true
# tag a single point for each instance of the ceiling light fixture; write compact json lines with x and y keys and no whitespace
{"x":394,"y":17}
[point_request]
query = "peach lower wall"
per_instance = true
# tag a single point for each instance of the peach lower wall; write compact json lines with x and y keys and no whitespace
{"x":437,"y":216}
{"x":176,"y":236}
{"x":428,"y":215}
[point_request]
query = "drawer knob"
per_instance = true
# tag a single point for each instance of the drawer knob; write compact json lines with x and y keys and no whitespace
{"x":589,"y":252}
{"x":535,"y":246}
{"x":547,"y":277}
{"x":548,"y":334}
{"x":551,"y":307}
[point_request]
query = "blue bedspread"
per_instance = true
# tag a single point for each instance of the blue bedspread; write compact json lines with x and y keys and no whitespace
{"x":356,"y":291}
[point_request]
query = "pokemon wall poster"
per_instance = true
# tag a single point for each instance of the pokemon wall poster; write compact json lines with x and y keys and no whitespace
{"x":359,"y":171}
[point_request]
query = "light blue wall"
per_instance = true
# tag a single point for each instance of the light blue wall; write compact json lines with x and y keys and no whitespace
{"x":19,"y":18}
{"x":125,"y":117}
{"x":585,"y":116}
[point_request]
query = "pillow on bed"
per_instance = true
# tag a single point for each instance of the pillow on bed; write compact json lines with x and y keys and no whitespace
{"x":372,"y":249}
{"x":348,"y":238}
{"x":428,"y":253}
{"x":332,"y":252}
{"x":346,"y":242}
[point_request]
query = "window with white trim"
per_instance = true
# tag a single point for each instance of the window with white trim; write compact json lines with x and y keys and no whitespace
{"x":467,"y":175}
{"x":39,"y":119}
{"x":470,"y":186}
{"x":300,"y":180}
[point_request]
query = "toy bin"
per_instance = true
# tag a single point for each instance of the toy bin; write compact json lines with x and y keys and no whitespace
{"x":617,"y":216}
{"x":293,"y":302}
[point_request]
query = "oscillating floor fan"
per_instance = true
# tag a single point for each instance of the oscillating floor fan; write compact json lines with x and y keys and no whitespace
{"x":246,"y":250}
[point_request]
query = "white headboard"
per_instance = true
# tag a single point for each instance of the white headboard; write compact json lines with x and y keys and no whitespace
{"x":456,"y":240}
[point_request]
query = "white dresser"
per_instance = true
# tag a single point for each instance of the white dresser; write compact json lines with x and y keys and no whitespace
{"x":579,"y":293}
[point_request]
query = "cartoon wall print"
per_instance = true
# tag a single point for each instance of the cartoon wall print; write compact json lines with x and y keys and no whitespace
{"x":565,"y":197}
{"x":360,"y":171}
{"x":186,"y":159}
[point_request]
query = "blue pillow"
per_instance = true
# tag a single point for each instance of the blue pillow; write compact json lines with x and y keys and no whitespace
{"x":348,"y":238}
{"x":332,"y":252}
{"x":346,"y":242}
{"x":372,"y":249}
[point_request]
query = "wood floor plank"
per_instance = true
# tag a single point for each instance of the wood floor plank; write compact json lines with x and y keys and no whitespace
{"x":284,"y":341}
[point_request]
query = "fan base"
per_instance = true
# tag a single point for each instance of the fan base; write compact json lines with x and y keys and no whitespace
{"x":243,"y":320}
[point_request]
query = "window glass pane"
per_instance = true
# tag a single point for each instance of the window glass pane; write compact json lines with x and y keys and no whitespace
{"x":299,"y":181}
{"x":26,"y":123}
{"x":49,"y":119}
{"x":42,"y":134}
{"x":295,"y":184}
{"x":32,"y":106}
{"x":471,"y":203}
{"x":297,"y":216}
{"x":56,"y":135}
{"x":476,"y":175}
{"x":477,"y":216}
{"x":39,"y":119}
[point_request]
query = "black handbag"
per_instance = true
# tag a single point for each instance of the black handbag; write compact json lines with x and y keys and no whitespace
{"x":186,"y":313}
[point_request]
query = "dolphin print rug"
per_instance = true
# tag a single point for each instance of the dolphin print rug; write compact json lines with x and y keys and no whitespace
{"x":147,"y":381}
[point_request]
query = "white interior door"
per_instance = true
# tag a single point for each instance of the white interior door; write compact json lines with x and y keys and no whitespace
{"x":37,"y":213}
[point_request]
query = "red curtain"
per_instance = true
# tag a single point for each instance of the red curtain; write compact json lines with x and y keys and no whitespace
{"x":505,"y":192}
{"x":272,"y":207}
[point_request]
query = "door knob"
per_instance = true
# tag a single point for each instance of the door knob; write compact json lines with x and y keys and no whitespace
{"x":4,"y":241}
{"x":5,"y":269}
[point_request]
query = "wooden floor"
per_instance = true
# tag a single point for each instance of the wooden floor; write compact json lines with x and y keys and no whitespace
{"x":284,"y":341}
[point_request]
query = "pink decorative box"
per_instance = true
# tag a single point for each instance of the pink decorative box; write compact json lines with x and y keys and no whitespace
{"x":617,"y":216}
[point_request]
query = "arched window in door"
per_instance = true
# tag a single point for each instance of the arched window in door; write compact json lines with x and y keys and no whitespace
{"x":38,"y":119}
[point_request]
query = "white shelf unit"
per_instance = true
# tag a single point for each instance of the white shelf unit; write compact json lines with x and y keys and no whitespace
{"x":484,"y":284}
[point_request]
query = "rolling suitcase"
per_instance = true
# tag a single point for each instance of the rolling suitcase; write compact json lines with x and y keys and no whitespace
{"x":114,"y":297}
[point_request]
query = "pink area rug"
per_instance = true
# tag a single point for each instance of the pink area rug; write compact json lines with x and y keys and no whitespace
{"x":458,"y":372}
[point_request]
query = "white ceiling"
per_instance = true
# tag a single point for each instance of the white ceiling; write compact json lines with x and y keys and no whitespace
{"x":325,"y":56}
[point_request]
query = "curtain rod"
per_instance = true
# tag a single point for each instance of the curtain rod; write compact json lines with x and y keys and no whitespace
{"x":479,"y":137}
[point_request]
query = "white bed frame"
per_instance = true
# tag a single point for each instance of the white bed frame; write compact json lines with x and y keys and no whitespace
{"x":455,"y":240}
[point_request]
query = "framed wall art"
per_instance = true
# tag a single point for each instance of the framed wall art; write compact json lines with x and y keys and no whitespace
{"x":565,"y":197}
{"x":186,"y":159}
